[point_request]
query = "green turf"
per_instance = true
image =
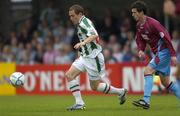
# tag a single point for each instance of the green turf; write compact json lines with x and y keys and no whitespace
{"x":96,"y":106}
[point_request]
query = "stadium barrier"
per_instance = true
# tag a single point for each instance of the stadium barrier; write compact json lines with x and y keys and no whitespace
{"x":50,"y":79}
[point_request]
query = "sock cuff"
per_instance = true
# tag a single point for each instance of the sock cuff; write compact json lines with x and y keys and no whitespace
{"x":75,"y":90}
{"x":104,"y":87}
{"x":147,"y":75}
{"x":109,"y":87}
{"x":168,"y":87}
{"x":73,"y":85}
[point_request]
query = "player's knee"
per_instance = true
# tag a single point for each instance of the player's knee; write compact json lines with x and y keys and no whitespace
{"x":148,"y":71}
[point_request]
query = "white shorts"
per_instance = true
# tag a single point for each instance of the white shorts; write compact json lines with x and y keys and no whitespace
{"x":95,"y":67}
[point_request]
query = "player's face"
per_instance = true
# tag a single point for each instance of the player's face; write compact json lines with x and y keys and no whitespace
{"x":136,"y":15}
{"x":74,"y":17}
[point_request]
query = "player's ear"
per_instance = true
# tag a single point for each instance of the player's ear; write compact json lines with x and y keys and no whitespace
{"x":80,"y":14}
{"x":141,"y":12}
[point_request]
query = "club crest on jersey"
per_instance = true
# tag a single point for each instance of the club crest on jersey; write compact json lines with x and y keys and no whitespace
{"x":145,"y":37}
{"x":141,"y":27}
{"x":146,"y":32}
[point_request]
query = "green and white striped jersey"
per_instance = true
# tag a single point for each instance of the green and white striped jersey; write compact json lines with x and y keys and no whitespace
{"x":85,"y":28}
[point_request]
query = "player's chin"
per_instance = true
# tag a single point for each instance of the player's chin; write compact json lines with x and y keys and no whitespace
{"x":75,"y":23}
{"x":135,"y":18}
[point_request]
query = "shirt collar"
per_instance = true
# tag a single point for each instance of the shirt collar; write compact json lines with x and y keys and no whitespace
{"x":81,"y":19}
{"x":141,"y":23}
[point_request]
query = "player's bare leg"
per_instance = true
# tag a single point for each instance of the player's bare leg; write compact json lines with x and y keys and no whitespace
{"x":97,"y":85}
{"x":74,"y":87}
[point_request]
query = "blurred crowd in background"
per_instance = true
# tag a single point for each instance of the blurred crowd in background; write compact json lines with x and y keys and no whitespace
{"x":50,"y":40}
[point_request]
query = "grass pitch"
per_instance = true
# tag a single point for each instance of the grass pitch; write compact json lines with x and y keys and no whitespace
{"x":95,"y":106}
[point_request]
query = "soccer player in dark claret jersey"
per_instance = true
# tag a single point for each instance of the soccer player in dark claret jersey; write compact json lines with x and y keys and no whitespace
{"x":150,"y":31}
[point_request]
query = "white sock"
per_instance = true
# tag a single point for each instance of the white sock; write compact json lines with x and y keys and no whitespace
{"x":75,"y":89}
{"x":107,"y":89}
{"x":116,"y":90}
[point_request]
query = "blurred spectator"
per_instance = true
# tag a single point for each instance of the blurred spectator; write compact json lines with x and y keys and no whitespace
{"x":24,"y":58}
{"x":65,"y":55}
{"x":20,"y":52}
{"x":38,"y":58}
{"x":14,"y":44}
{"x":51,"y":41}
{"x":37,"y":38}
{"x":127,"y":54}
{"x":109,"y":58}
{"x":23,"y":36}
{"x":124,"y":29}
{"x":131,"y":41}
{"x":177,"y":10}
{"x":169,"y":7}
{"x":49,"y":13}
{"x":117,"y":52}
{"x":175,"y":39}
{"x":108,"y":25}
{"x":43,"y":28}
{"x":7,"y":55}
{"x":176,"y":43}
{"x":65,"y":38}
{"x":30,"y":51}
{"x":26,"y":31}
{"x":112,"y":41}
{"x":70,"y":30}
{"x":177,"y":75}
{"x":56,"y":28}
{"x":177,"y":36}
{"x":50,"y":54}
{"x":168,"y":14}
{"x":57,"y":43}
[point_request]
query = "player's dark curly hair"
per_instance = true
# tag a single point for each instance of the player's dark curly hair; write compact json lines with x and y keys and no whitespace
{"x":140,"y":6}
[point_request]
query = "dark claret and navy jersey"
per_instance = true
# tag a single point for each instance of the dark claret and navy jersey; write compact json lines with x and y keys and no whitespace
{"x":85,"y":28}
{"x":153,"y":33}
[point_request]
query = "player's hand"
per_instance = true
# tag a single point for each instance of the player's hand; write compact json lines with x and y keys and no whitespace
{"x":78,"y":45}
{"x":141,"y":54}
{"x":174,"y":60}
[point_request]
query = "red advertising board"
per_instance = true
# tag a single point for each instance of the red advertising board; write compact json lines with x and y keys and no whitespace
{"x":50,"y":79}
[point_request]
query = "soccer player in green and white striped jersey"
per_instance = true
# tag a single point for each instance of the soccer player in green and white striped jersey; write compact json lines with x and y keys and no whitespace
{"x":85,"y":29}
{"x":91,"y":60}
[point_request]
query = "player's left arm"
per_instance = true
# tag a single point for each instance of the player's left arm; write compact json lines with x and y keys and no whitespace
{"x":91,"y":36}
{"x":167,"y":39}
{"x":86,"y":41}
